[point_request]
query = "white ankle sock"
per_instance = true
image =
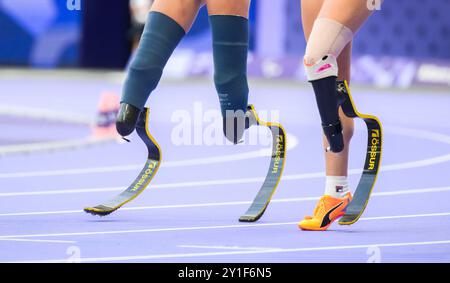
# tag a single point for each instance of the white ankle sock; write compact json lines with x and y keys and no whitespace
{"x":336,"y":186}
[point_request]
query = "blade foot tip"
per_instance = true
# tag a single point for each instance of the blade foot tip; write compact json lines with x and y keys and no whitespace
{"x":347,"y":221}
{"x":248,"y":218}
{"x":96,"y":212}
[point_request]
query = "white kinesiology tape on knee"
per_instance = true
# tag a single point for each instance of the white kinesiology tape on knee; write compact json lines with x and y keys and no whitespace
{"x":327,"y":40}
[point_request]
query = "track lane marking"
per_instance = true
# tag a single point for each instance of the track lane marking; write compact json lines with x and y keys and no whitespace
{"x":39,"y":241}
{"x":236,"y":226}
{"x":225,"y":247}
{"x":231,"y":203}
{"x":248,"y":252}
{"x":293,"y":142}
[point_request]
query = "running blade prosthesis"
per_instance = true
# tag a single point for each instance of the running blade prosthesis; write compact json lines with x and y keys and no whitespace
{"x":260,"y":202}
{"x":262,"y":199}
{"x":145,"y":176}
{"x":373,"y":156}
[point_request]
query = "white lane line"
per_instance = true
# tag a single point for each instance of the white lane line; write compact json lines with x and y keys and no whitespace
{"x":196,"y":184}
{"x":75,"y":171}
{"x":292,"y":177}
{"x":46,"y":114}
{"x":53,"y":145}
{"x":231,"y":203}
{"x":152,"y":230}
{"x":61,"y":192}
{"x":293,"y":142}
{"x":419,"y":133}
{"x":226,"y":248}
{"x":175,"y":185}
{"x":411,"y":164}
{"x":236,"y":226}
{"x":39,"y":241}
{"x":249,"y":252}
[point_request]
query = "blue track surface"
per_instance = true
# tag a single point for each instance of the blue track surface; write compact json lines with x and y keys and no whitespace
{"x":189,"y":212}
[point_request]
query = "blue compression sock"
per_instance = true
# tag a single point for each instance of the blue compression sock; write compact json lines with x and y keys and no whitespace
{"x":230,"y":47}
{"x":159,"y":39}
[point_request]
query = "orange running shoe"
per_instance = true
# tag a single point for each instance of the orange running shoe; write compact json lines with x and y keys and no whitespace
{"x":327,"y":210}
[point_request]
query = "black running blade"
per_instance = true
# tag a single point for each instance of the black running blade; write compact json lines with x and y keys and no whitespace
{"x":267,"y":190}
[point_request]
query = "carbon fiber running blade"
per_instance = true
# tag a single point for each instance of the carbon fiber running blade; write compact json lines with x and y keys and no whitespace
{"x":262,"y":199}
{"x":142,"y":180}
{"x":373,"y":157}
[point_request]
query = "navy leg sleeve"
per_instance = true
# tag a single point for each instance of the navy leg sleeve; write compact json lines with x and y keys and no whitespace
{"x":230,"y":47}
{"x":160,"y":38}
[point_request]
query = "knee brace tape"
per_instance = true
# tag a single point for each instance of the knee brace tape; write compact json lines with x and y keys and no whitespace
{"x":327,"y":40}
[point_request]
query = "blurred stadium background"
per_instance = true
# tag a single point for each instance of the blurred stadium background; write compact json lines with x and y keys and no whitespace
{"x":407,"y":43}
{"x":55,"y":51}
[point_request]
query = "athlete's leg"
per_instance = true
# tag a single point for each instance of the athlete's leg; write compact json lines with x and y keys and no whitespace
{"x":229,"y":24}
{"x":230,"y":31}
{"x":333,"y":29}
{"x":167,"y":23}
{"x":226,"y":7}
{"x":336,"y":163}
{"x":346,"y":18}
{"x":350,"y":13}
